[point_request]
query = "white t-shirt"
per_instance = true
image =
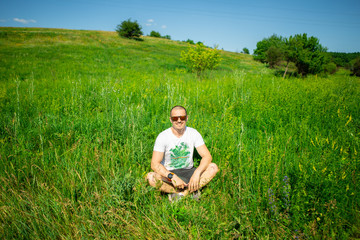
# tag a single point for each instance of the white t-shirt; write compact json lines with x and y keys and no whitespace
{"x":178,"y":152}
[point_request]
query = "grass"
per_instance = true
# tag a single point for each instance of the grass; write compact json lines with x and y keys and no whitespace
{"x":80,"y":111}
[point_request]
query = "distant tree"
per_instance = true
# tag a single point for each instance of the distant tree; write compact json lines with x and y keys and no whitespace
{"x":129,"y":29}
{"x":199,"y":58}
{"x":155,"y":34}
{"x":307,"y":53}
{"x":263,"y":46}
{"x":246,"y":50}
{"x":273,"y":56}
{"x":190,"y":41}
{"x":158,"y":35}
{"x":355,"y":69}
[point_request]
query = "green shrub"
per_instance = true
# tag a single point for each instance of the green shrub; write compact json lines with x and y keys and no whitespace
{"x":155,"y":34}
{"x":129,"y":29}
{"x":190,"y":41}
{"x":199,"y":58}
{"x":330,"y":68}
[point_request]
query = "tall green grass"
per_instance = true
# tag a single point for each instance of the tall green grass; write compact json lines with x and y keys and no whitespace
{"x":80,"y":111}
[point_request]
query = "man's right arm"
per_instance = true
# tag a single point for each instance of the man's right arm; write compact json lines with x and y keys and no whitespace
{"x":157,"y":167}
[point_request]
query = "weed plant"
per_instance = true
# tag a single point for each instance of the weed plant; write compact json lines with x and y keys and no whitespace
{"x":79,"y":114}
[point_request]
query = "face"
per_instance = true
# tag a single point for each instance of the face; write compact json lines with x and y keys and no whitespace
{"x":178,"y":124}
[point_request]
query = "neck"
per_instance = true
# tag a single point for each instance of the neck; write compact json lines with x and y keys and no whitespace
{"x":178,"y":132}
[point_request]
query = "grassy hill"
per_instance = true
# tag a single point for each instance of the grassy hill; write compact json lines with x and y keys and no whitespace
{"x":79,"y":114}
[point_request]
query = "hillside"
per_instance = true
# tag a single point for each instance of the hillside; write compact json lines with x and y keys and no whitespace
{"x":113,"y":54}
{"x":79,"y":114}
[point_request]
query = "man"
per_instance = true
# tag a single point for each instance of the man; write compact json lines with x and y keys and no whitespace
{"x":172,"y":159}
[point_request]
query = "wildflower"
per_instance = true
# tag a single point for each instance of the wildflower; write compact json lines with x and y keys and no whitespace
{"x":286,"y":192}
{"x":272,"y":204}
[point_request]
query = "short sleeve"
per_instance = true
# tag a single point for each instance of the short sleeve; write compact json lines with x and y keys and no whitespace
{"x":198,"y":139}
{"x":159,"y":144}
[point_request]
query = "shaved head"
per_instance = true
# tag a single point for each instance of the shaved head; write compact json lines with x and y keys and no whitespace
{"x":176,"y":108}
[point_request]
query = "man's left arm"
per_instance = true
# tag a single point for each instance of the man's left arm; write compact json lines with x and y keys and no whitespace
{"x":204,"y":163}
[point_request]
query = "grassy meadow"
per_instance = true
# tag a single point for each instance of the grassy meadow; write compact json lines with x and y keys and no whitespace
{"x":79,"y":114}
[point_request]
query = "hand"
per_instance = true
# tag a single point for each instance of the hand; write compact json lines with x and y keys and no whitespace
{"x":194,"y":182}
{"x":178,"y":182}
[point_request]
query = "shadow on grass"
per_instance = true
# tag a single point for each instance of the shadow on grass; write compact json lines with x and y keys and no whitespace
{"x":138,"y":39}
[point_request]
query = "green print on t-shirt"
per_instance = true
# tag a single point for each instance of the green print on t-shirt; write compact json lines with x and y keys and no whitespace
{"x":179,"y":156}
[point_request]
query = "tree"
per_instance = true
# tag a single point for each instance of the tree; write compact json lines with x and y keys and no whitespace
{"x":246,"y":51}
{"x":355,"y":70}
{"x":190,"y":41}
{"x":308,"y":54}
{"x":274,"y":55}
{"x":199,"y":57}
{"x":129,"y":29}
{"x":263,"y":46}
{"x":343,"y":59}
{"x":158,"y":35}
{"x":155,"y":34}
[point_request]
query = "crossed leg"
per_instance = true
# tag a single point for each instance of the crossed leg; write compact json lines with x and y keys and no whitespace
{"x":155,"y":180}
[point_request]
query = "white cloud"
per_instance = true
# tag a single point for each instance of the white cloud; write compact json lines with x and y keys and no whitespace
{"x":150,"y":22}
{"x":24,"y":21}
{"x":163,"y":26}
{"x":2,"y":20}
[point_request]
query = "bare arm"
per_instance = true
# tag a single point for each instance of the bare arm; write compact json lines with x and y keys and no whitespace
{"x":161,"y":170}
{"x":156,"y":165}
{"x":206,"y":158}
{"x":204,"y":163}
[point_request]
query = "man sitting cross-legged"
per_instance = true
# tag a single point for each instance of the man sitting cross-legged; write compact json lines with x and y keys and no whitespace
{"x":172,"y":159}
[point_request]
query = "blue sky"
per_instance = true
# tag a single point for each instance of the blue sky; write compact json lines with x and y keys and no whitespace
{"x":230,"y":24}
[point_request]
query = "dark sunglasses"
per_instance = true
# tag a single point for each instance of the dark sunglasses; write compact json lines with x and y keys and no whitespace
{"x":182,"y":118}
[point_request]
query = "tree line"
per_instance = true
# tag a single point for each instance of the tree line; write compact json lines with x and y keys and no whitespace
{"x":305,"y":53}
{"x":345,"y":60}
{"x":132,"y":29}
